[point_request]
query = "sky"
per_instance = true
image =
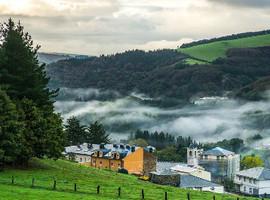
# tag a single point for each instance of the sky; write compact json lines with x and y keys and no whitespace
{"x":95,"y":27}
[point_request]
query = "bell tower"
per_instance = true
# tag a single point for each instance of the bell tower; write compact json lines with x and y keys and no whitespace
{"x":193,"y":155}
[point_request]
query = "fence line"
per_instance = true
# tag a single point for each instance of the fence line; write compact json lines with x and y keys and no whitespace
{"x":119,"y":192}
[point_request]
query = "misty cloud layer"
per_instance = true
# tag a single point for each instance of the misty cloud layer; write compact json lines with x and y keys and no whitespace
{"x":97,"y":27}
{"x":207,"y":119}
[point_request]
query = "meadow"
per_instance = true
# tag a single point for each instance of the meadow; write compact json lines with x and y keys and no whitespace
{"x":87,"y":179}
{"x":211,"y":51}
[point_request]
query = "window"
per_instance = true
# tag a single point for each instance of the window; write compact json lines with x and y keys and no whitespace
{"x":254,"y":181}
{"x":250,"y":190}
{"x":239,"y":178}
{"x":250,"y":180}
{"x":245,"y":179}
{"x":80,"y":159}
{"x":190,"y":153}
{"x":245,"y":189}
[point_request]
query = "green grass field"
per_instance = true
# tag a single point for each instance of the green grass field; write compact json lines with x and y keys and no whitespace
{"x":211,"y":51}
{"x":66,"y":174}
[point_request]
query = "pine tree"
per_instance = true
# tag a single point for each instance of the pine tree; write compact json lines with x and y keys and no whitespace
{"x":20,"y":69}
{"x":25,"y":82}
{"x":75,"y":132}
{"x":10,"y":130}
{"x":97,"y":133}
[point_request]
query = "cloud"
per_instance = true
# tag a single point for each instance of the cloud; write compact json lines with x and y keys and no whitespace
{"x":209,"y":119}
{"x":97,"y":27}
{"x":246,"y":3}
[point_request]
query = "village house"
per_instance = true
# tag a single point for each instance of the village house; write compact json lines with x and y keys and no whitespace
{"x":80,"y":153}
{"x":136,"y":160}
{"x":254,"y":181}
{"x":169,"y":177}
{"x":184,"y":169}
{"x":222,"y":164}
{"x":192,"y":170}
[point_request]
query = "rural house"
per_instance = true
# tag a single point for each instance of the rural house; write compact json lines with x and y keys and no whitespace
{"x":254,"y":181}
{"x":222,"y":164}
{"x":168,"y":177}
{"x":81,"y":153}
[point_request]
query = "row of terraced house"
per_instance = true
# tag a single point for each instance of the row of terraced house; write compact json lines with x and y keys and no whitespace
{"x":136,"y":160}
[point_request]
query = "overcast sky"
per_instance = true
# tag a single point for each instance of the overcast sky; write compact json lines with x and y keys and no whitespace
{"x":97,"y":27}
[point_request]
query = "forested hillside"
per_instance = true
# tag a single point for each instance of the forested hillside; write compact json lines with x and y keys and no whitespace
{"x":163,"y":73}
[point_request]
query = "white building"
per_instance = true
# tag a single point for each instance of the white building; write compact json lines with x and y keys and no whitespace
{"x":81,"y":153}
{"x":254,"y":181}
{"x":222,"y":164}
{"x":196,"y":183}
{"x":194,"y":171}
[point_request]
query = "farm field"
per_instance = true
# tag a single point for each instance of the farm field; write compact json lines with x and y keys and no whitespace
{"x":211,"y":51}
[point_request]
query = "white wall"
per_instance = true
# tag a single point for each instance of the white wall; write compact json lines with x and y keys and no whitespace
{"x":264,"y":187}
{"x":202,"y":174}
{"x":82,"y":158}
{"x":219,"y":189}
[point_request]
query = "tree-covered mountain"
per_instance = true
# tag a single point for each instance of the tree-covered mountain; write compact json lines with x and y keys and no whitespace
{"x":163,"y":73}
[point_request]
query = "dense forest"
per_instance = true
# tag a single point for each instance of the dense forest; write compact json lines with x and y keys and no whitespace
{"x":224,"y":38}
{"x":163,"y":73}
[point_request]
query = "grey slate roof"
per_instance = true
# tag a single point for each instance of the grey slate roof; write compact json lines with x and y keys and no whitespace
{"x":89,"y":149}
{"x":218,"y":152}
{"x":258,"y":173}
{"x":189,"y":181}
{"x":161,"y":166}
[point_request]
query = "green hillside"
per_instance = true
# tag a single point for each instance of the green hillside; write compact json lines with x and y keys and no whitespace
{"x":66,"y":174}
{"x":211,"y":51}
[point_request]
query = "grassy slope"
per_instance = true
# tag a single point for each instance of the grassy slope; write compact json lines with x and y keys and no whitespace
{"x":67,"y":174}
{"x":214,"y":50}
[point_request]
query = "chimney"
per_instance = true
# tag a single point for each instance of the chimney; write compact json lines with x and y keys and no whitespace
{"x":102,"y":146}
{"x":133,"y":149}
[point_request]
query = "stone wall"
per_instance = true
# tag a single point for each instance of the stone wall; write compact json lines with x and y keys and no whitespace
{"x":173,"y":180}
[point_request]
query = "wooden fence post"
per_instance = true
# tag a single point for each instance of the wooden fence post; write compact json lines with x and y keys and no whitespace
{"x":33,"y":182}
{"x":188,"y":196}
{"x":119,"y":191}
{"x":142,"y":194}
{"x":54,"y":184}
{"x":75,"y":187}
{"x":12,"y":180}
{"x":214,"y":197}
{"x":98,"y":189}
{"x":237,"y":198}
{"x":166,"y":196}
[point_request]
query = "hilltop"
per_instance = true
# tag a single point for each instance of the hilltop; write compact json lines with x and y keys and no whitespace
{"x":206,"y":51}
{"x":66,"y":174}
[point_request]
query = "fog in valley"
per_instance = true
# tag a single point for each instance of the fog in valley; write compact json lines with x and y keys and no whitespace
{"x":204,"y":119}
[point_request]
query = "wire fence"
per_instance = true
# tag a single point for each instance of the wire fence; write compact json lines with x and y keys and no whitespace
{"x":98,"y":190}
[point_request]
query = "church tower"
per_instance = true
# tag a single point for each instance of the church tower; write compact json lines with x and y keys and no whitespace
{"x":193,"y":155}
